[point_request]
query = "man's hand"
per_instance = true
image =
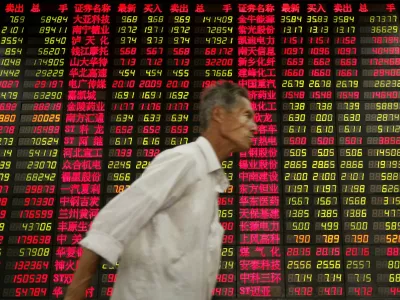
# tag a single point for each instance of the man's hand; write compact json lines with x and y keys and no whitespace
{"x":87,"y":266}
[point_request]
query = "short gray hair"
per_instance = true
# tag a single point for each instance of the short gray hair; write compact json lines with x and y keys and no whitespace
{"x":223,"y":93}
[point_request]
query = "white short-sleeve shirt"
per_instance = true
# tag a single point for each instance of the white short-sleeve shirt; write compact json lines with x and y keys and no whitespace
{"x":164,"y":229}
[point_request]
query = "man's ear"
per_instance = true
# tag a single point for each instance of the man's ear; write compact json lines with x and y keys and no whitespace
{"x":218,"y":114}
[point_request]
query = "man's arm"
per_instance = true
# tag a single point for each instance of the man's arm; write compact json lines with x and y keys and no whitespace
{"x":87,"y":266}
{"x":162,"y":184}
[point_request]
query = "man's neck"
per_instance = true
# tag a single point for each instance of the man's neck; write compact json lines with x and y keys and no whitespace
{"x":219,"y":145}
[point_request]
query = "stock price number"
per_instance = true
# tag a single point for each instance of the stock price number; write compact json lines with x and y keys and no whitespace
{"x":23,"y":227}
{"x":358,"y":265}
{"x":148,"y":141}
{"x":5,"y":40}
{"x":8,"y":95}
{"x":227,"y":265}
{"x":179,"y":29}
{"x":318,"y":29}
{"x":121,"y":129}
{"x":225,"y":278}
{"x":53,"y":29}
{"x":11,"y":52}
{"x":292,"y":83}
{"x":29,"y":252}
{"x":359,"y":277}
{"x":384,"y":29}
{"x":34,"y":201}
{"x":147,"y":152}
{"x":149,"y":129}
{"x":300,"y":277}
{"x":184,"y":129}
{"x":26,"y":278}
{"x":121,"y":141}
{"x":388,"y":264}
{"x":10,"y":62}
{"x":387,"y":226}
{"x":51,"y":51}
{"x":357,"y":225}
{"x":12,"y":30}
{"x":30,"y":240}
{"x":127,"y":29}
{"x":319,"y":83}
{"x":329,"y":278}
{"x":116,"y":188}
{"x":298,"y":226}
{"x":126,"y":165}
{"x":391,"y":277}
{"x":392,"y":200}
{"x":175,"y":141}
{"x":122,"y":118}
{"x":223,"y":291}
{"x":218,"y":73}
{"x":28,"y":265}
{"x":300,"y":291}
{"x":331,"y":291}
{"x":35,"y":177}
{"x":177,"y":96}
{"x":129,"y":40}
{"x":149,"y":118}
{"x":327,"y":226}
{"x":119,"y":176}
{"x":178,"y":73}
{"x":123,"y":95}
{"x":25,"y":292}
{"x":33,"y":214}
{"x":177,"y":117}
{"x":150,"y":95}
{"x":328,"y":239}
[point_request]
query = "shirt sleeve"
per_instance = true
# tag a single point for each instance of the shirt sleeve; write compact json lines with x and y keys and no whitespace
{"x":161,"y":184}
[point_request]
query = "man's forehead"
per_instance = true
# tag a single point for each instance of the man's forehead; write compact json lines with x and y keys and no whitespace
{"x":244,"y":103}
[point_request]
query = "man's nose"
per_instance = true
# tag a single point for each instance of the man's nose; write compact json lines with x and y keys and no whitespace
{"x":254,"y":127}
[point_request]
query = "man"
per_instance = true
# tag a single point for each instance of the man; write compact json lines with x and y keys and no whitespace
{"x":165,"y":228}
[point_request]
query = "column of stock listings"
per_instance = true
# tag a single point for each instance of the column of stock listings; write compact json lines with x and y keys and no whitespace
{"x":91,"y":92}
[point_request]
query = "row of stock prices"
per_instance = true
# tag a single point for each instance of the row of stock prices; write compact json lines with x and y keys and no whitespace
{"x":91,"y":92}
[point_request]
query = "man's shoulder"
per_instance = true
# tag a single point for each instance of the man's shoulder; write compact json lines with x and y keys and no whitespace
{"x":185,"y":153}
{"x":183,"y":157}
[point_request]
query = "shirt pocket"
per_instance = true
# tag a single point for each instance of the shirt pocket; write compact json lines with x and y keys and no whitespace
{"x":214,"y":254}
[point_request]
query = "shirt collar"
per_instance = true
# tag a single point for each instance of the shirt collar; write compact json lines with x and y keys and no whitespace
{"x":213,"y":163}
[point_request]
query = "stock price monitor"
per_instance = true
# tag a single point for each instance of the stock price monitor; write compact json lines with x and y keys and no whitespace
{"x":91,"y":92}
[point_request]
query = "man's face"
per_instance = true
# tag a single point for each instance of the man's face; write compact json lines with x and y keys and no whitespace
{"x":239,"y":126}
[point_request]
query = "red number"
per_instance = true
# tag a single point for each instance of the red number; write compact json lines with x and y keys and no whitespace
{"x":293,"y":72}
{"x":153,"y":51}
{"x":109,"y":292}
{"x":320,"y":72}
{"x":228,"y":239}
{"x":127,"y":51}
{"x":324,"y":140}
{"x":3,"y":201}
{"x":348,"y":62}
{"x":352,"y":140}
{"x":321,"y":61}
{"x":297,"y":140}
{"x":9,"y":84}
{"x":184,"y":51}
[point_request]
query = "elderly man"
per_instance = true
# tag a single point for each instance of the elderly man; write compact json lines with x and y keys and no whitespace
{"x":164,"y":229}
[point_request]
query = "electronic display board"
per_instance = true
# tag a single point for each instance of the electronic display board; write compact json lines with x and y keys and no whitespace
{"x":91,"y":92}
